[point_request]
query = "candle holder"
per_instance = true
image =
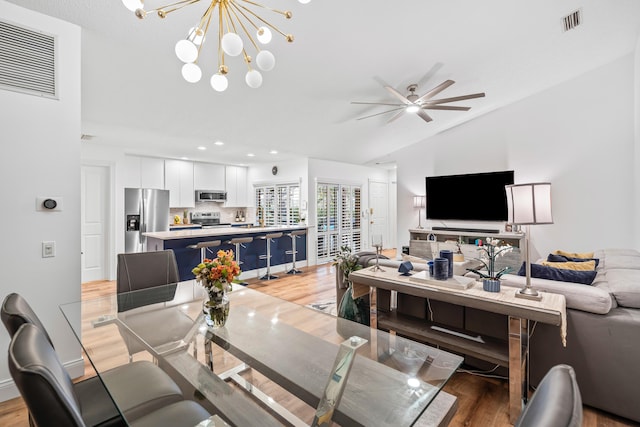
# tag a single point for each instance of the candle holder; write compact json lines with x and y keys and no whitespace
{"x":376,"y":242}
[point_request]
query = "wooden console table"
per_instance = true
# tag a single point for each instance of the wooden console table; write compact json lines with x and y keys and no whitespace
{"x":515,"y":355}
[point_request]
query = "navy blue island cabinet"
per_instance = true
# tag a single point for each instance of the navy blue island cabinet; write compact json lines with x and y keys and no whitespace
{"x":188,"y":258}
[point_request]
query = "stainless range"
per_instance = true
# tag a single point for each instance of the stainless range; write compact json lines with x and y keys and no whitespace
{"x":208,"y":219}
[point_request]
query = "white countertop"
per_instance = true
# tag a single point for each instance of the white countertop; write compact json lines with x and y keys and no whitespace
{"x":224,"y":231}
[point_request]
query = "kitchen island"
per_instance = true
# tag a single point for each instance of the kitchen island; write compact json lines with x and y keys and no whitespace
{"x":187,"y":258}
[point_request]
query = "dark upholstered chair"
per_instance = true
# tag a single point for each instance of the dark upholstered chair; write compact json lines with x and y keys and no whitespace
{"x":53,"y":399}
{"x":555,"y":403}
{"x":147,"y":270}
{"x":139,"y":387}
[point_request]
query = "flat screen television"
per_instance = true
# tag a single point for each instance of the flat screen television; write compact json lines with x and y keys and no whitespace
{"x":469,"y":197}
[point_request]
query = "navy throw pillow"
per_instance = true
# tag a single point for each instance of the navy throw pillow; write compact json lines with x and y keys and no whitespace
{"x":560,"y":274}
{"x":562,"y":258}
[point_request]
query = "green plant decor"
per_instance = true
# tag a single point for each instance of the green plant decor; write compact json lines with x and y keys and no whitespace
{"x":348,"y":308}
{"x":490,"y":251}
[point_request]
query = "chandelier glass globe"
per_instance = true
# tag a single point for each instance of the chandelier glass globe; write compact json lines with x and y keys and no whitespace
{"x":232,"y":44}
{"x":132,"y":5}
{"x":186,"y":51}
{"x":265,"y":60}
{"x":191,"y":72}
{"x":253,"y":79}
{"x":219,"y":82}
{"x":264,"y":35}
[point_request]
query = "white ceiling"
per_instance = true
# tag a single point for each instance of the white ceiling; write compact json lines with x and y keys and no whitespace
{"x":134,"y":96}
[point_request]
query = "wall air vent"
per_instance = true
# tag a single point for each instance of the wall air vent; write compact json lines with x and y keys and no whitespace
{"x":27,"y":61}
{"x":572,"y":20}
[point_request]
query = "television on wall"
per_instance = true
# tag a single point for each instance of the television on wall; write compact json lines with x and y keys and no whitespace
{"x":468,"y":197}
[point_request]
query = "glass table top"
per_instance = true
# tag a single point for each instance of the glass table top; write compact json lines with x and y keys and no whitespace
{"x":269,"y":364}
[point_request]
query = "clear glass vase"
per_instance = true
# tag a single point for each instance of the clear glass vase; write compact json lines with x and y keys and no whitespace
{"x":216,"y":309}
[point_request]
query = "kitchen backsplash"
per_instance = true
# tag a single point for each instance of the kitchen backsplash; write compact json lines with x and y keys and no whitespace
{"x":227,"y":215}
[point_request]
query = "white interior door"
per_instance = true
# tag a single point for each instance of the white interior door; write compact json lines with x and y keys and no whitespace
{"x":379,"y":212}
{"x":93,"y":217}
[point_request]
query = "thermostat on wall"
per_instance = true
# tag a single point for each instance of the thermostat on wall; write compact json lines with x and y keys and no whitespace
{"x":48,"y":203}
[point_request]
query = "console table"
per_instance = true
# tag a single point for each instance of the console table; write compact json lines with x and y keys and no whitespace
{"x":421,"y":246}
{"x":515,"y":354}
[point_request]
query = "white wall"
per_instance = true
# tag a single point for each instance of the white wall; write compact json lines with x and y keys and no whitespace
{"x":578,"y":135}
{"x":636,"y":73}
{"x":41,"y":157}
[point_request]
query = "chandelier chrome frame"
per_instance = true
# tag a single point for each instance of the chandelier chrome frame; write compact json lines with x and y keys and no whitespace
{"x":234,"y":18}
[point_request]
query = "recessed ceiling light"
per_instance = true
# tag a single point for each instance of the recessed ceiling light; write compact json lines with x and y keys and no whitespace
{"x":202,"y":148}
{"x":273,"y":152}
{"x":250,"y":155}
{"x":218,"y":143}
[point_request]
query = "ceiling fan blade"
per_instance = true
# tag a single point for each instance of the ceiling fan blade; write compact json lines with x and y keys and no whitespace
{"x":377,"y":114}
{"x":445,"y":107}
{"x":396,"y":116}
{"x":376,"y":103}
{"x":455,"y":98}
{"x":436,"y":90}
{"x":423,"y":114}
{"x":398,"y":95}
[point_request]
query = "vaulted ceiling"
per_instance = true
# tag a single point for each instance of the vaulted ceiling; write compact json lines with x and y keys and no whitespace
{"x":133,"y":95}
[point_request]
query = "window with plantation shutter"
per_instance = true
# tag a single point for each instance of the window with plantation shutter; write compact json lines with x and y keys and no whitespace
{"x":278,"y":204}
{"x":338,"y":218}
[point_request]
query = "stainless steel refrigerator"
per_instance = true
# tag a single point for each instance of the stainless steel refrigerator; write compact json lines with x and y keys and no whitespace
{"x":145,"y":210}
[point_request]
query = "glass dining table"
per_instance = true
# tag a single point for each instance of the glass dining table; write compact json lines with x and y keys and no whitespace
{"x":274,"y":362}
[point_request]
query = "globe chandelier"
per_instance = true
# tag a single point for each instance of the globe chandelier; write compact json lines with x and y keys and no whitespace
{"x":234,"y":18}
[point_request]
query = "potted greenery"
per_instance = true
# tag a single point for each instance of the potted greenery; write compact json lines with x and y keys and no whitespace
{"x":490,"y":251}
{"x":348,"y":308}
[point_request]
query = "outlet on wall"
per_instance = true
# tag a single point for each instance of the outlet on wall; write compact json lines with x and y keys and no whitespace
{"x":48,"y":249}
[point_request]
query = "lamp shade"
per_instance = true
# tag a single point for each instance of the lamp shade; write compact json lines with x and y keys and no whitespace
{"x":529,"y":203}
{"x":419,"y":201}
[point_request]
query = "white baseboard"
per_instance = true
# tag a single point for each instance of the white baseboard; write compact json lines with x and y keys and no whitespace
{"x":8,"y":389}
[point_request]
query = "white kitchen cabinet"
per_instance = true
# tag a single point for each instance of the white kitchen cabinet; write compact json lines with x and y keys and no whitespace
{"x":209,"y":176}
{"x":236,"y":186}
{"x":152,"y":173}
{"x":178,"y":179}
{"x":129,"y":172}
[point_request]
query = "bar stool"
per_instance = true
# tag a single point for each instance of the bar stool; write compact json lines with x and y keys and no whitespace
{"x":239,"y":242}
{"x":204,"y":247}
{"x":295,"y":234}
{"x":269,"y":237}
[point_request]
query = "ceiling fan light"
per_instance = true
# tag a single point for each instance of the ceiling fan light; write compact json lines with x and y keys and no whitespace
{"x":413,"y":108}
{"x":265,"y":60}
{"x":186,"y":51}
{"x":263,"y":35}
{"x":132,"y":5}
{"x":232,"y":44}
{"x":191,"y":72}
{"x":219,"y":82}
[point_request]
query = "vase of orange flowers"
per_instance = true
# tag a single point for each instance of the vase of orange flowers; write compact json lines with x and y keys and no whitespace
{"x":216,"y":276}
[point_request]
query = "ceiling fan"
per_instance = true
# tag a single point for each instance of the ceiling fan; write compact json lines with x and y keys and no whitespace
{"x":416,"y":104}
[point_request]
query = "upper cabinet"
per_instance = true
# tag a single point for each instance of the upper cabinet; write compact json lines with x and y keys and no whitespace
{"x":178,"y":179}
{"x":142,"y":172}
{"x":236,"y":180}
{"x":208,"y":176}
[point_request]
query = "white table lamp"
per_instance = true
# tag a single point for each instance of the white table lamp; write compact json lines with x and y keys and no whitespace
{"x":419,"y":202}
{"x":529,"y":204}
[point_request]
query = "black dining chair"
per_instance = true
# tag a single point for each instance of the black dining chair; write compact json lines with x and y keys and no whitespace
{"x":140,"y":387}
{"x":555,"y":403}
{"x":151,"y":271}
{"x":53,"y":399}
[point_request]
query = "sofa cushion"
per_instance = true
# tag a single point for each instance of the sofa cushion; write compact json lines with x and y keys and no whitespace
{"x":572,"y":265}
{"x":593,"y":299}
{"x":574,"y":254}
{"x":628,"y":262}
{"x":562,"y":258}
{"x":625,"y":287}
{"x":563,"y":275}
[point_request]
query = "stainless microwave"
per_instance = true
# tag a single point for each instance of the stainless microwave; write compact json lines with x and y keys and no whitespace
{"x":211,"y":196}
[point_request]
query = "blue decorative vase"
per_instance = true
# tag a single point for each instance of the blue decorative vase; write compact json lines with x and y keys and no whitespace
{"x":491,"y":285}
{"x":440,"y":268}
{"x":445,"y":253}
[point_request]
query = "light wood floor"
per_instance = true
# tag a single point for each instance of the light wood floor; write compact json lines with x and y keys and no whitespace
{"x":481,"y":401}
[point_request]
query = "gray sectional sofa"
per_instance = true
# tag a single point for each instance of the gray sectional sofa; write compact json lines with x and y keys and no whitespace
{"x":603,"y":329}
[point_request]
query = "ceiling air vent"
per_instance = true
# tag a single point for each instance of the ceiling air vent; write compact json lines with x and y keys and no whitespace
{"x":27,"y":61}
{"x":572,"y":20}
